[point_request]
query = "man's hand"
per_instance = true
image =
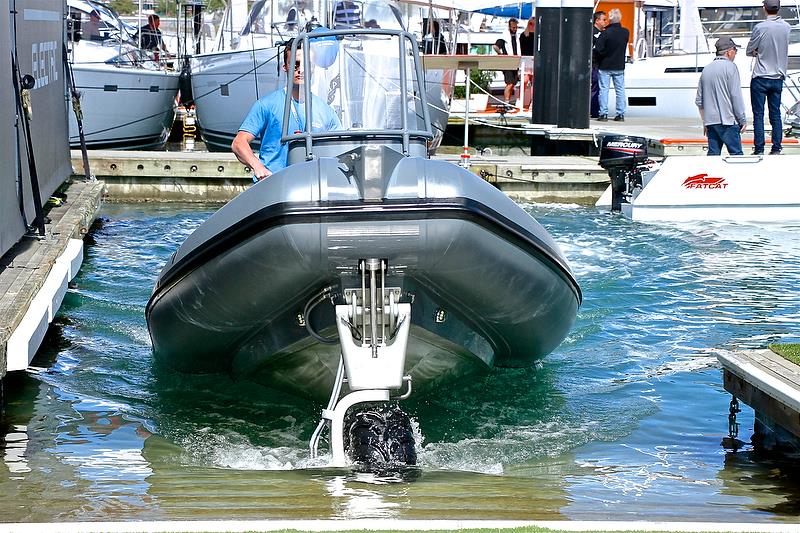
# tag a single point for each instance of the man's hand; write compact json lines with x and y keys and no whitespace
{"x":241,"y":148}
{"x":743,"y":127}
{"x":705,"y":131}
{"x":260,"y":171}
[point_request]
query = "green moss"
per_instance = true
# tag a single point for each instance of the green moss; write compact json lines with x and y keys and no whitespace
{"x":790,"y":351}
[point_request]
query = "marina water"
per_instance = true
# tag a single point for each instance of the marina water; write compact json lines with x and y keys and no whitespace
{"x":623,"y":421}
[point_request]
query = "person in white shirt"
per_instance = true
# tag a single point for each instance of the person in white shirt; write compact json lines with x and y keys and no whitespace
{"x":509,"y":45}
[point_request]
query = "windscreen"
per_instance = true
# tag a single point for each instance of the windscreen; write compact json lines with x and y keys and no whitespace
{"x":358,"y":82}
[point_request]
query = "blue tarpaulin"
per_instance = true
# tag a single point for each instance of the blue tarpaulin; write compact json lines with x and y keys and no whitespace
{"x":520,"y":10}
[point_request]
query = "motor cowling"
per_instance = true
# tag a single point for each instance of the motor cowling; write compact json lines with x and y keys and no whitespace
{"x":623,"y":157}
{"x":622,"y":151}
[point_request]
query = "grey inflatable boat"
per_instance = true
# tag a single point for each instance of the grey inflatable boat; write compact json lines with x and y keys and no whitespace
{"x":363,"y":267}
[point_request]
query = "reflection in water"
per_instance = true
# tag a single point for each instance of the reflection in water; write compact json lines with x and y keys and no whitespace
{"x":624,"y":420}
{"x":766,"y":484}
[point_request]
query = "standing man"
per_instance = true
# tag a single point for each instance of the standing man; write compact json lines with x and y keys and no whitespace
{"x":91,"y":28}
{"x":600,"y":22}
{"x":611,"y":47}
{"x":509,"y":44}
{"x":266,"y":116}
{"x":150,"y":36}
{"x":769,"y":44}
{"x":719,"y":99}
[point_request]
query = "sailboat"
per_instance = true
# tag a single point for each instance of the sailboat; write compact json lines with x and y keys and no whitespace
{"x":127,"y":97}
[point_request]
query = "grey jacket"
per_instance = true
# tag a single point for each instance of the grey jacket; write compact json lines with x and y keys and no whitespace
{"x":769,"y":44}
{"x":719,"y":94}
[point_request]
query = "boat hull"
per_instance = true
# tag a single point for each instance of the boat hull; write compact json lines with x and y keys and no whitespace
{"x":732,"y":188}
{"x":666,"y":86}
{"x":123,"y":108}
{"x":488,"y":287}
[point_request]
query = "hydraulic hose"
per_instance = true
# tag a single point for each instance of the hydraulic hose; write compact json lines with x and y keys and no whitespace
{"x":310,"y":305}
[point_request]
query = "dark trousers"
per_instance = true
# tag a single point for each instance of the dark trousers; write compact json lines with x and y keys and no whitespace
{"x":770,"y":90}
{"x":594,"y":103}
{"x":720,"y":134}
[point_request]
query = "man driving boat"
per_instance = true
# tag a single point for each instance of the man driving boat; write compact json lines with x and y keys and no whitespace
{"x":266,"y":116}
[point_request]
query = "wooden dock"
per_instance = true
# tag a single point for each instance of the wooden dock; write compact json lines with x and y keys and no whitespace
{"x":770,"y":385}
{"x":35,"y":272}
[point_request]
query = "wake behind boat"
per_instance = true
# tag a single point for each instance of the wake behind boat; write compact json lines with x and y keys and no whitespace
{"x":363,"y":267}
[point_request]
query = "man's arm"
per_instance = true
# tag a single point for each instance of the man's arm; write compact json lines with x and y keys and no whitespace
{"x":241,"y":148}
{"x":699,"y":103}
{"x":737,"y":101}
{"x":752,"y":44}
{"x":600,"y":44}
{"x":499,"y":47}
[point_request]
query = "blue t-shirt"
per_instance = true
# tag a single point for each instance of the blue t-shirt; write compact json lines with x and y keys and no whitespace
{"x":264,"y":121}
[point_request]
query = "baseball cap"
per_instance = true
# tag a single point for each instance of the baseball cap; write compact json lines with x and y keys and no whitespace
{"x":726,"y":43}
{"x":772,"y":4}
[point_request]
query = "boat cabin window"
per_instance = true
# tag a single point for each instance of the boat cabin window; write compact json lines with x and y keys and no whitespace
{"x":662,"y":30}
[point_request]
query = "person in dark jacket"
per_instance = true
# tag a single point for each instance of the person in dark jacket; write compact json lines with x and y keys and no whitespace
{"x":600,"y":22}
{"x":527,"y":46}
{"x":611,"y":48}
{"x":150,"y":35}
{"x":434,"y":43}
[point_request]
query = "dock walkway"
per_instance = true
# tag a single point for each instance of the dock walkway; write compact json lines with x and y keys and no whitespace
{"x":35,"y":272}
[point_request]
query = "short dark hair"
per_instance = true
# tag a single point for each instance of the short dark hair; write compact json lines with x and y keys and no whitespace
{"x":288,"y":49}
{"x":772,"y":10}
{"x":152,"y":18}
{"x":512,"y":19}
{"x":597,"y":15}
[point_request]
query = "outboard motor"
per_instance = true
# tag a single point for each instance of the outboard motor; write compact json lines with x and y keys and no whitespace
{"x":624,"y":157}
{"x":379,"y":438}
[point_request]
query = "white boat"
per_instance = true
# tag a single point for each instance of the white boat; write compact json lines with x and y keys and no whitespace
{"x":127,"y":98}
{"x":245,"y":66}
{"x":698,"y":188}
{"x":675,"y":40}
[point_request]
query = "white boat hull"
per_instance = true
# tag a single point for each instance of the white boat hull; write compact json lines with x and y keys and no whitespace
{"x":732,"y":188}
{"x":128,"y":108}
{"x":225,"y":85}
